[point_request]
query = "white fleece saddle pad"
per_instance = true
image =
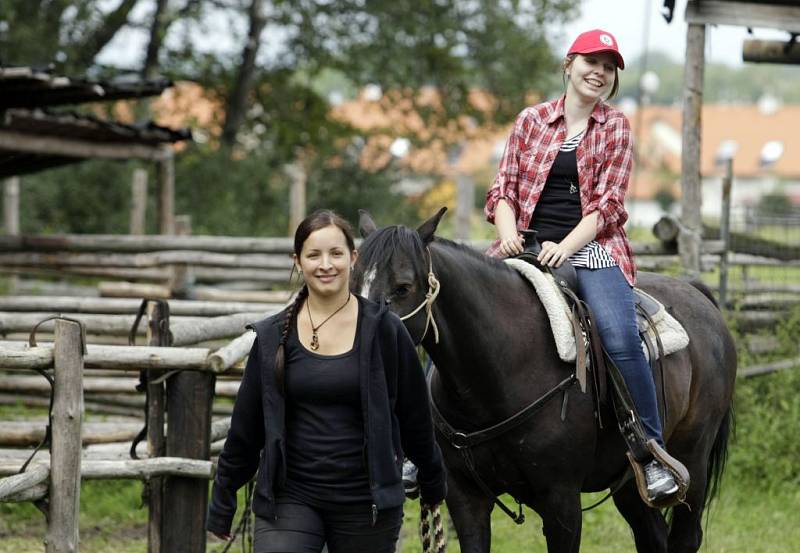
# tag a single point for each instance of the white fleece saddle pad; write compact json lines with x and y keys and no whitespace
{"x":673,"y":336}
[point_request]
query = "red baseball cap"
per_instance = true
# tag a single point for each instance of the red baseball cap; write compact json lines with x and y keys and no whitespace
{"x":597,"y":40}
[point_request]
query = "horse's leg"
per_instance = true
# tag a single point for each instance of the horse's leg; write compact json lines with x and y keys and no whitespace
{"x":560,"y":510}
{"x":470,"y":508}
{"x":686,"y":531}
{"x":648,"y":525}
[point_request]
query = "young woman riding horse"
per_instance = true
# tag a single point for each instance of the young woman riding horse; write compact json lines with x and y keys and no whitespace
{"x":564,"y":174}
{"x":496,"y":361}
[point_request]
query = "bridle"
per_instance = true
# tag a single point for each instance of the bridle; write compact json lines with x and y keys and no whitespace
{"x":430,"y":296}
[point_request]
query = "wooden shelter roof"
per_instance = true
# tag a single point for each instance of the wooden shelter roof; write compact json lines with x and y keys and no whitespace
{"x":31,"y":87}
{"x":33,"y":138}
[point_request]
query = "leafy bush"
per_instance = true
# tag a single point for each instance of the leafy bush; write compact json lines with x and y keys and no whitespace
{"x":765,"y":450}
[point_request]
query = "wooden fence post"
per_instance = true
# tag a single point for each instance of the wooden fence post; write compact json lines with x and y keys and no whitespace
{"x":189,"y":398}
{"x":11,"y":218}
{"x":157,"y":335}
{"x":65,"y":449}
{"x":166,"y":192}
{"x":138,"y":202}
{"x":725,"y":233}
{"x":690,"y":235}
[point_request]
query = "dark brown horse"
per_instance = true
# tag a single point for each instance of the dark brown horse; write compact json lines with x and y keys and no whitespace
{"x":496,"y":355}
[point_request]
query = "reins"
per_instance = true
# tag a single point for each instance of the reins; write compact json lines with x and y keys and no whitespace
{"x":433,"y":541}
{"x":430,"y":297}
{"x":464,"y":442}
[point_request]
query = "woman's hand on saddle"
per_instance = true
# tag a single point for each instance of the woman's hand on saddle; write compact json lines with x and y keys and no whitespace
{"x":553,"y":255}
{"x":511,"y":243}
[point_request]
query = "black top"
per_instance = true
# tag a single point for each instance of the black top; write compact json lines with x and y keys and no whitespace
{"x":324,"y":427}
{"x":558,"y":210}
{"x":391,"y":387}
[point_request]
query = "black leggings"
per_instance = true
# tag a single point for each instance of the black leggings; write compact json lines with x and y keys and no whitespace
{"x":300,"y":528}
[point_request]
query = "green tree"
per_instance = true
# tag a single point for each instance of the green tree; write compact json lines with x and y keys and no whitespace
{"x":275,"y":105}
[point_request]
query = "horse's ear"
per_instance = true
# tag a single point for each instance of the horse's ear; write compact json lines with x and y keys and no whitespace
{"x":366,"y":225}
{"x":428,"y":228}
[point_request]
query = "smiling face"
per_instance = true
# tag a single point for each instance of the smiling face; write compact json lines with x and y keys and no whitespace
{"x":591,"y":76}
{"x":325,"y":261}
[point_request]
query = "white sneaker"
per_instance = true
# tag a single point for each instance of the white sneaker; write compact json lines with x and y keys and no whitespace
{"x":660,"y":482}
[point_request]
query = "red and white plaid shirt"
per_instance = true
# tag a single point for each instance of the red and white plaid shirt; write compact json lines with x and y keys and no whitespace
{"x":604,"y":156}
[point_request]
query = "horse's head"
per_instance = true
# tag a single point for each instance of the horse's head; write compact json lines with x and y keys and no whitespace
{"x":393,"y":266}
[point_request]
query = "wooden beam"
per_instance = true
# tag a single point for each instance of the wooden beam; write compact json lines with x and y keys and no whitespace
{"x":132,"y":470}
{"x":120,"y":306}
{"x":690,"y":237}
{"x":65,"y":448}
{"x":226,"y":357}
{"x":150,"y":243}
{"x":18,"y":483}
{"x":743,"y":14}
{"x":771,"y":51}
{"x":16,"y":355}
{"x":59,"y":146}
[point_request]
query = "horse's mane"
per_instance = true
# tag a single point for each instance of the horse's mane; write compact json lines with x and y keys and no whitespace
{"x":378,"y":248}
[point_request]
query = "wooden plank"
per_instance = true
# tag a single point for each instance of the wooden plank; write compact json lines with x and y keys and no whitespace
{"x":30,"y":433}
{"x":51,"y":145}
{"x":133,"y":290}
{"x":33,"y":493}
{"x":226,"y":357}
{"x":771,"y":51}
{"x":133,"y":469}
{"x":118,"y":385}
{"x":18,"y":355}
{"x":13,"y":485}
{"x":213,"y":328}
{"x":119,"y":306}
{"x":125,"y":243}
{"x":758,"y":370}
{"x":65,"y":448}
{"x":743,"y":14}
{"x":147,"y":260}
{"x":690,"y":237}
{"x":115,"y":325}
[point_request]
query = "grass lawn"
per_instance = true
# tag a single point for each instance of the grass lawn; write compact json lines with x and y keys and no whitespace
{"x":743,"y":520}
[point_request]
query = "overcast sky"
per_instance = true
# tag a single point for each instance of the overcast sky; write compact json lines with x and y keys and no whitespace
{"x":625,"y":19}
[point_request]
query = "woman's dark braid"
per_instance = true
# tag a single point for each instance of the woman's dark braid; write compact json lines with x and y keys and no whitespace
{"x":280,"y":355}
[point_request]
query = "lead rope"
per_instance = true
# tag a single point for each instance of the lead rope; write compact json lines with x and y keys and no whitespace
{"x":435,"y":543}
{"x":430,"y":297}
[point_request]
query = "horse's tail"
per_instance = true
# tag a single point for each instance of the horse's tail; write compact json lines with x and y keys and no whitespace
{"x":705,"y":290}
{"x":719,"y":456}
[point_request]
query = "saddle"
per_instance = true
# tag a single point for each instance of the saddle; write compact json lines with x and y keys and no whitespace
{"x":590,"y":353}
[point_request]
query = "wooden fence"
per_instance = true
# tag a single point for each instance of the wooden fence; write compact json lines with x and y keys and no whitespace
{"x":173,"y":461}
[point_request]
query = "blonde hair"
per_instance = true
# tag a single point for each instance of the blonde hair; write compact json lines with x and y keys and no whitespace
{"x":568,"y":61}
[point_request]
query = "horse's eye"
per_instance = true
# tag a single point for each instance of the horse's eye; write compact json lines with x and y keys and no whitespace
{"x":402,"y":290}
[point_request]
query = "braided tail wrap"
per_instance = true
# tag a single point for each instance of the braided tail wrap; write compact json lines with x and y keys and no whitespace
{"x":431,"y":529}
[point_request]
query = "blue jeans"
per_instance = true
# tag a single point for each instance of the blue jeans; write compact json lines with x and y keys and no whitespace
{"x":610,"y":298}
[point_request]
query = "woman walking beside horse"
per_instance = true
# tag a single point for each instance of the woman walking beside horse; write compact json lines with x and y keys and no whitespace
{"x":328,"y":405}
{"x":564,"y":174}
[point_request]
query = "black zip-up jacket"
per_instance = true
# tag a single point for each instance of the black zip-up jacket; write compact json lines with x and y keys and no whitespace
{"x":397,"y":421}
